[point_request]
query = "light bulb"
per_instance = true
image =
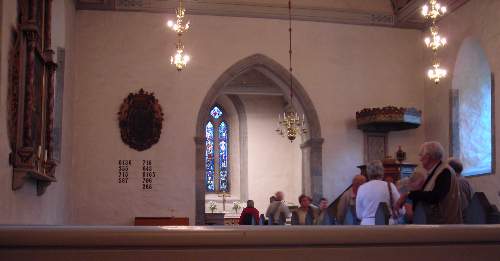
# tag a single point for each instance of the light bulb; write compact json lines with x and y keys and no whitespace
{"x":427,"y":41}
{"x":425,"y":10}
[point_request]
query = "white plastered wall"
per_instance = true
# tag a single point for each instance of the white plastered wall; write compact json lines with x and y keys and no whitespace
{"x":343,"y":68}
{"x":477,"y":19}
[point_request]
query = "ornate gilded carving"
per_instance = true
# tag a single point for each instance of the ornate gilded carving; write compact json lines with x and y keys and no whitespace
{"x":30,"y":96}
{"x":13,"y":89}
{"x":140,"y":120}
{"x":388,"y":118}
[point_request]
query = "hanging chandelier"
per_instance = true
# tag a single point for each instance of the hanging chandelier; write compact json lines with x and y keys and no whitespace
{"x":436,"y":73}
{"x":435,"y":41}
{"x":179,"y":26}
{"x":290,"y":124}
{"x":180,"y":59}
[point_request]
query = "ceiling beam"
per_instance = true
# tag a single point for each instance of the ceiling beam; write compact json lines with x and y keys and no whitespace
{"x":409,"y":11}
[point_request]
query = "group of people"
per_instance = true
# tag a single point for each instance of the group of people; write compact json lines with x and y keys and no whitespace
{"x":277,"y":209}
{"x":442,"y":192}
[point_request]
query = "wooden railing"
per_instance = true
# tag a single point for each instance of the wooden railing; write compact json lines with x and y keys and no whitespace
{"x":410,"y":242}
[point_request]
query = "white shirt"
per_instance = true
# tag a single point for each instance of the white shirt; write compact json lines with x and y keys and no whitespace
{"x":369,"y":197}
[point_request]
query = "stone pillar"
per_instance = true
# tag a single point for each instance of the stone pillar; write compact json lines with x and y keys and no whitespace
{"x":200,"y":181}
{"x":312,"y":164}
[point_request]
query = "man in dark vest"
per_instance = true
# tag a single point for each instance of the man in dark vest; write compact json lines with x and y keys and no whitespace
{"x":440,"y":194}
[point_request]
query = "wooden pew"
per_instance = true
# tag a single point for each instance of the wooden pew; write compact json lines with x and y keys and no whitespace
{"x":295,"y":218}
{"x":480,"y":211}
{"x":350,"y":217}
{"x":382,"y":214}
{"x":419,"y":215}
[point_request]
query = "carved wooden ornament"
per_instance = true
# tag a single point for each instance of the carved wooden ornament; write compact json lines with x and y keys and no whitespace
{"x":140,"y":120}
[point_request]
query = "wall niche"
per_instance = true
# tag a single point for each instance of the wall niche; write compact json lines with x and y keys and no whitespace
{"x":31,"y":96}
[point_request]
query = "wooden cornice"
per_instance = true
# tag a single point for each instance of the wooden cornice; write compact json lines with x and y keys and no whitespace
{"x":406,"y":14}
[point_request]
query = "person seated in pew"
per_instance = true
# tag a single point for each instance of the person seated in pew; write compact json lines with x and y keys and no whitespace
{"x":306,"y":209}
{"x":348,"y":199}
{"x":277,"y":207}
{"x":414,"y":182}
{"x":466,"y":190}
{"x":373,"y":192}
{"x":247,"y":214}
{"x":323,"y":212}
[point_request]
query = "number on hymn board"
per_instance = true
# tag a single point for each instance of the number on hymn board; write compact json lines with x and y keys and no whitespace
{"x":123,"y":168}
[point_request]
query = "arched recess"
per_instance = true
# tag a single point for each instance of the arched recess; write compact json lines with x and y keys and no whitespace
{"x":472,"y":116}
{"x":312,"y":142}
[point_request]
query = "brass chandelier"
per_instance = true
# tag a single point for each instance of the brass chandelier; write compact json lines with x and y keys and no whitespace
{"x":290,"y":124}
{"x":180,"y":59}
{"x":435,"y":41}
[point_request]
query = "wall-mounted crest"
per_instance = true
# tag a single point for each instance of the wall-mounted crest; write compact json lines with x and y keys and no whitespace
{"x":140,"y":120}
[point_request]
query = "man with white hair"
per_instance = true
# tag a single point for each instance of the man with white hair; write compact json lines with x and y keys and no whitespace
{"x":440,"y":193}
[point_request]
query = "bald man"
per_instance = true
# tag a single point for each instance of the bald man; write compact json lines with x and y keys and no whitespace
{"x":348,"y":199}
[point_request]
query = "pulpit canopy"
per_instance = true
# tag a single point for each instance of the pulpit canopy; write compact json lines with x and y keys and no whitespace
{"x":389,"y":118}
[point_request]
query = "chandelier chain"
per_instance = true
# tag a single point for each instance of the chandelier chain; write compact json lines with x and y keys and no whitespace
{"x":290,"y":49}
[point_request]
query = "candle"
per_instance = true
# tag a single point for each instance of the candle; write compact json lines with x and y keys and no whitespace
{"x":45,"y":157}
{"x":39,"y":151}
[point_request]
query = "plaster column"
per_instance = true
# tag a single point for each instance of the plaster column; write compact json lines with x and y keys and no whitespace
{"x":200,"y":181}
{"x":312,"y":162}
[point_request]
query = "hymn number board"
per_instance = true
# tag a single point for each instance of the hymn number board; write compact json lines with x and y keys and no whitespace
{"x":126,"y":172}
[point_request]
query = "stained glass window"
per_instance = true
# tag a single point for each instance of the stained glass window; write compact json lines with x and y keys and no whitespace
{"x":216,"y":152}
{"x":216,"y":112}
{"x":209,"y":157}
{"x":223,"y":182}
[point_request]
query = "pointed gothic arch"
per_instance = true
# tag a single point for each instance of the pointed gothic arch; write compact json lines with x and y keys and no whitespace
{"x":311,"y":144}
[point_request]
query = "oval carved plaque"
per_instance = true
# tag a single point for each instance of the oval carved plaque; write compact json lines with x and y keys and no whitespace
{"x":140,"y":120}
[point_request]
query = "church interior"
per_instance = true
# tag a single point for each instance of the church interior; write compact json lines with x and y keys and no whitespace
{"x":168,"y":112}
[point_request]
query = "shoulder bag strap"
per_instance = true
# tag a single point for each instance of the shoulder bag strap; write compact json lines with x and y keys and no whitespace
{"x":391,"y":200}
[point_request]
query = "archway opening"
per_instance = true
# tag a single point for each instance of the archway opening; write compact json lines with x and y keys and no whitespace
{"x":253,"y":91}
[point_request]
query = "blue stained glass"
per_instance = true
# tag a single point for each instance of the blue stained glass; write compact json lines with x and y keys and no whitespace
{"x":216,"y":112}
{"x":223,"y":152}
{"x":209,"y":157}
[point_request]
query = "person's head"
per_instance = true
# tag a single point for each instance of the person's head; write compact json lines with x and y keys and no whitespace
{"x":456,"y":165}
{"x":304,"y":201}
{"x":430,"y":154}
{"x":280,"y":196}
{"x":389,"y":179}
{"x":272,"y":199}
{"x":375,"y":170}
{"x":323,"y":203}
{"x":357,"y":181}
{"x":250,"y":204}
